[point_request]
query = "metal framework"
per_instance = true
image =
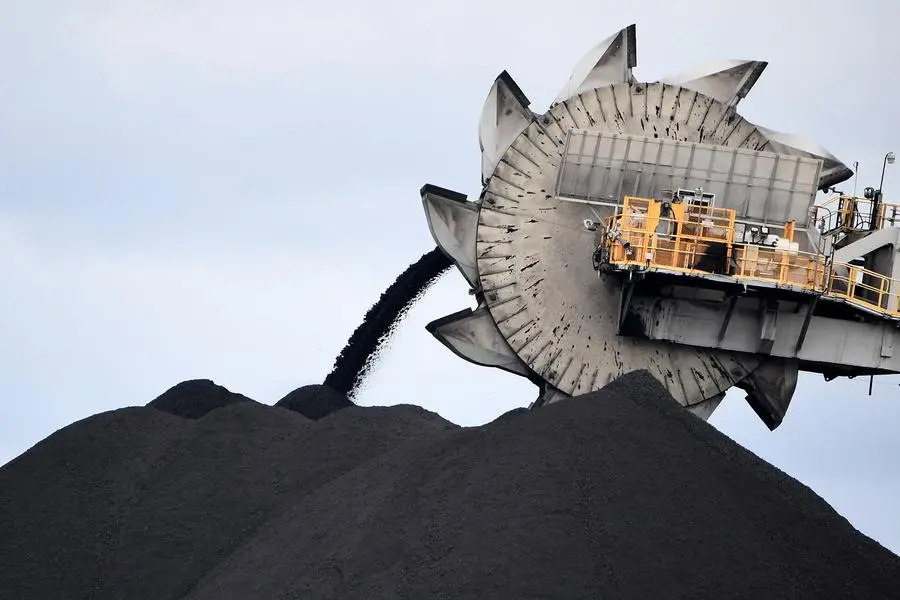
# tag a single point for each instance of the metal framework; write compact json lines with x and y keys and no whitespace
{"x":759,"y":185}
{"x":699,"y":242}
{"x":583,"y":267}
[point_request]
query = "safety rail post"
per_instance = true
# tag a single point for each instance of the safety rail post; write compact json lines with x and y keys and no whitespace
{"x":789,"y":231}
{"x":696,"y":240}
{"x":781,"y":259}
{"x":821,"y":271}
{"x":812,"y":278}
{"x":893,"y":307}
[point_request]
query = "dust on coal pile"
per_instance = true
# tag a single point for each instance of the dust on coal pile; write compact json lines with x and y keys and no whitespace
{"x":618,"y":494}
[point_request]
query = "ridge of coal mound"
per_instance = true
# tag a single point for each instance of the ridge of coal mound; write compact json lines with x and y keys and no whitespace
{"x":315,"y":401}
{"x":619,"y":493}
{"x":194,"y":398}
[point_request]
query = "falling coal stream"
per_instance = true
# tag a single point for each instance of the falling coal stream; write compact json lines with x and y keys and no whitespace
{"x":380,"y":322}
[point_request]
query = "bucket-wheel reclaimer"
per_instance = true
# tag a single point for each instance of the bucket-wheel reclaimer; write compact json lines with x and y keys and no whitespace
{"x":648,"y":225}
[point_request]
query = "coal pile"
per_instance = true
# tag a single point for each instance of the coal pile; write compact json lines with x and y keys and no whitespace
{"x":619,"y":493}
{"x":194,"y":398}
{"x":138,"y":503}
{"x":314,"y":401}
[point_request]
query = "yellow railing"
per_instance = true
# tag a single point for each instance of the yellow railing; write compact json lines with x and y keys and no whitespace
{"x":785,"y":268}
{"x":852,"y":213}
{"x":677,"y":237}
{"x":864,"y":288}
{"x":698,"y":240}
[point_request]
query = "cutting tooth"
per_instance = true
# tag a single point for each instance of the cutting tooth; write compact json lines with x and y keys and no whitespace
{"x":473,"y":335}
{"x":504,"y":116}
{"x":705,"y":409}
{"x":548,"y":395}
{"x":609,"y":62}
{"x":726,"y":81}
{"x":833,"y":170}
{"x":453,"y":222}
{"x":770,"y":388}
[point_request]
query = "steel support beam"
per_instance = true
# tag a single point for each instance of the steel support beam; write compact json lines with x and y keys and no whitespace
{"x":799,"y":335}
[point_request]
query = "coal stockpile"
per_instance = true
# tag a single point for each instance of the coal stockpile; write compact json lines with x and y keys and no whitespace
{"x":382,"y":319}
{"x":619,"y":493}
{"x":194,"y":398}
{"x":138,"y":503}
{"x":314,"y":401}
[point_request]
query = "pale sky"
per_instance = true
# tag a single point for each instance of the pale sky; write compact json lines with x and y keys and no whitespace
{"x":220,"y":189}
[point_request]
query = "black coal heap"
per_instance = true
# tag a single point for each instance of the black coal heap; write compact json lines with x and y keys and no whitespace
{"x":314,"y":401}
{"x":619,"y":493}
{"x":194,"y":398}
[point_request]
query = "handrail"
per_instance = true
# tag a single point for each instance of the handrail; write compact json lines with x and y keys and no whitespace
{"x":854,"y":213}
{"x":701,"y":243}
{"x":704,"y":254}
{"x":864,"y":287}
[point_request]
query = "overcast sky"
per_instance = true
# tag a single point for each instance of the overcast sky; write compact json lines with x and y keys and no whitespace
{"x":220,"y":189}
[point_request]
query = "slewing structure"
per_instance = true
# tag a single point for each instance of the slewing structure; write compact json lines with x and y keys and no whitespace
{"x":648,"y":225}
